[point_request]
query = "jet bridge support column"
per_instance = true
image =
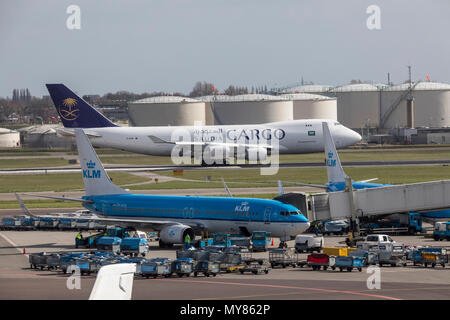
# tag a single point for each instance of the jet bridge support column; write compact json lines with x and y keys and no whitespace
{"x":354,"y":221}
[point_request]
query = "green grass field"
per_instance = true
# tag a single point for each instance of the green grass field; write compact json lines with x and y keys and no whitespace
{"x":57,"y":182}
{"x":117,"y":157}
{"x":385,"y":174}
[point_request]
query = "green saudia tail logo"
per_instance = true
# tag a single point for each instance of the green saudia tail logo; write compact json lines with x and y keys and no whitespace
{"x":90,"y":173}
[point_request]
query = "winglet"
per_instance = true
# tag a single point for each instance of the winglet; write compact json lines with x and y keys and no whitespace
{"x":114,"y":282}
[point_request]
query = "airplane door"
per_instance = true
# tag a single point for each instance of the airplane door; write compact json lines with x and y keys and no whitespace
{"x":267,"y":214}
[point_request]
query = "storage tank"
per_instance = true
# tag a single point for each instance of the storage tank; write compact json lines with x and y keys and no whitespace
{"x":167,"y":111}
{"x":431,"y":105}
{"x":309,"y":88}
{"x":358,"y":105}
{"x":251,"y":109}
{"x":9,"y":138}
{"x":312,"y":106}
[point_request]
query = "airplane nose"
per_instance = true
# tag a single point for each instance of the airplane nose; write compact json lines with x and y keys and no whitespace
{"x":351,"y":137}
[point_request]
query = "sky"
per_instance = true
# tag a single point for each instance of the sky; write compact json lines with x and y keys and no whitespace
{"x":168,"y":45}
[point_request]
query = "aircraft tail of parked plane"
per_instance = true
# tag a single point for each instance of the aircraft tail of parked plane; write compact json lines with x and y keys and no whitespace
{"x":335,"y":172}
{"x":74,"y":111}
{"x":96,"y":180}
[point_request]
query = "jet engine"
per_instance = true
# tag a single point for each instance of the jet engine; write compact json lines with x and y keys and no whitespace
{"x":175,"y":234}
{"x":216,"y":154}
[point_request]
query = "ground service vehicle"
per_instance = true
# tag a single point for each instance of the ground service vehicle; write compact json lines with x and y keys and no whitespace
{"x":261,"y":240}
{"x":306,"y":243}
{"x":441,"y":231}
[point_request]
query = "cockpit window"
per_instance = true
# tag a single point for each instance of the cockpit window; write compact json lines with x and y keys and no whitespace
{"x":290,"y":213}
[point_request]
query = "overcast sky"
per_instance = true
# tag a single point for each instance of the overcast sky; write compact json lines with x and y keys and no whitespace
{"x":168,"y":45}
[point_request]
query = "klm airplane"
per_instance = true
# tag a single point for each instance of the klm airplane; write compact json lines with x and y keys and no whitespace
{"x":337,"y":176}
{"x":176,"y":216}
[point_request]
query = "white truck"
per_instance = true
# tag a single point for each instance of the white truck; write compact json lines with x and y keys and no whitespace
{"x":379,"y":242}
{"x":304,"y":243}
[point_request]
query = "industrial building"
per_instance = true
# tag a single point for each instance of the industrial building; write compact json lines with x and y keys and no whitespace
{"x":166,"y":111}
{"x":9,"y":138}
{"x":358,"y":105}
{"x":312,"y":106}
{"x":430,"y":106}
{"x":44,"y":136}
{"x":249,"y":109}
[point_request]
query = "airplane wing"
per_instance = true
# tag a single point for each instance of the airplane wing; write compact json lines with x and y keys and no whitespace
{"x":368,"y":180}
{"x":70,"y":133}
{"x":202,"y":143}
{"x":307,"y":184}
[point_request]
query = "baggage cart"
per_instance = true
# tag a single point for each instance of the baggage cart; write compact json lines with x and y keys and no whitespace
{"x":53,"y":261}
{"x":68,"y":259}
{"x":156,"y":267}
{"x":38,"y":260}
{"x":370,"y":258}
{"x":109,"y":244}
{"x":86,"y":265}
{"x":430,"y":256}
{"x":390,"y":258}
{"x":247,"y":258}
{"x":255,"y":268}
{"x":318,"y":260}
{"x":66,"y":224}
{"x":228,"y":268}
{"x":283,"y":258}
{"x":206,"y":267}
{"x":134,"y":246}
{"x":46,"y":223}
{"x":182,"y":267}
{"x":349,"y":263}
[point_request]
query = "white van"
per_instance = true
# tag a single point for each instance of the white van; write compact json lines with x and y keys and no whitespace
{"x":304,"y":243}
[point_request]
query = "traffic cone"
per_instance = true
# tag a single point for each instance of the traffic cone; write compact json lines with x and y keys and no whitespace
{"x":24,"y":251}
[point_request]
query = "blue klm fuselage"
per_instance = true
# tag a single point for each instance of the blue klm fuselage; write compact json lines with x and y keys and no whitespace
{"x":210,"y":212}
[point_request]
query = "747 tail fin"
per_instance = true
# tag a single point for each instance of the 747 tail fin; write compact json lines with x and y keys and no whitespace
{"x":74,"y":111}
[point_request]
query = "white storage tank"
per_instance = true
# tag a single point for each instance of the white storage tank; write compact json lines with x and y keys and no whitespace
{"x":167,"y":111}
{"x":312,"y":106}
{"x":358,"y":105}
{"x":251,"y":109}
{"x":9,"y":138}
{"x":309,"y":88}
{"x":431,"y":105}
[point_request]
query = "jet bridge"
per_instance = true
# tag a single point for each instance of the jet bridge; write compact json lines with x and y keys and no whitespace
{"x":416,"y":197}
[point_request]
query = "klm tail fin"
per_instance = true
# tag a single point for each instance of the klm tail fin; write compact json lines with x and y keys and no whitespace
{"x":74,"y":111}
{"x":96,"y":181}
{"x":334,"y":168}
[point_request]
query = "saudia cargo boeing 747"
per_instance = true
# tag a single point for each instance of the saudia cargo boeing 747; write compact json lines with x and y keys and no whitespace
{"x":255,"y":142}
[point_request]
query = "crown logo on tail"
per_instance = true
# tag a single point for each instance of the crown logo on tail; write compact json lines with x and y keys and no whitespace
{"x":90,"y":164}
